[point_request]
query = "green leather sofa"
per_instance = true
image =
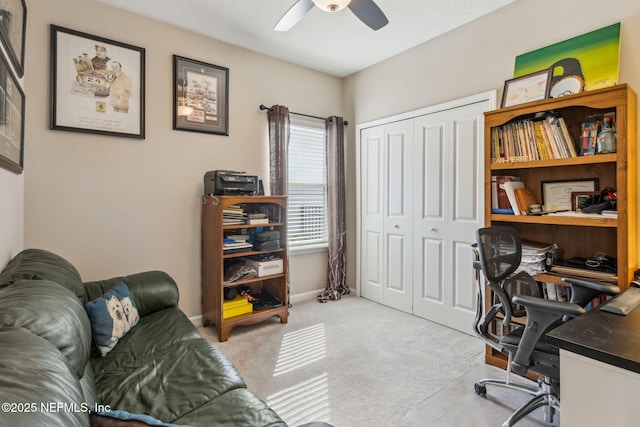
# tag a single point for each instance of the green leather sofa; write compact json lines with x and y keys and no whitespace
{"x":51,"y":373}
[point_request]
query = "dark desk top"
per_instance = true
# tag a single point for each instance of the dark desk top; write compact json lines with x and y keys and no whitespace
{"x":600,"y":335}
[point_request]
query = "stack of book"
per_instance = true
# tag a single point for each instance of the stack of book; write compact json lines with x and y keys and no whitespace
{"x":510,"y":196}
{"x":233,"y":245}
{"x":234,"y":214}
{"x":256,"y":218}
{"x":529,"y":140}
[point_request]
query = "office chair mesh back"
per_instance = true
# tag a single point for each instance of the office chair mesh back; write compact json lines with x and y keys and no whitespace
{"x":500,"y":252}
{"x":500,"y":249}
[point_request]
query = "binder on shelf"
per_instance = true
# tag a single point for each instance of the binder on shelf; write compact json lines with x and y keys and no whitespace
{"x":525,"y":198}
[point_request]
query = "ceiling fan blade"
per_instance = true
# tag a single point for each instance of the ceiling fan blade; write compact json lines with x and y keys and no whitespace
{"x":369,"y":13}
{"x":294,"y":15}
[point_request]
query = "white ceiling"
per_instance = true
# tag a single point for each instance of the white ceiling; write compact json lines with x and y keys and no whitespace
{"x":335,"y":43}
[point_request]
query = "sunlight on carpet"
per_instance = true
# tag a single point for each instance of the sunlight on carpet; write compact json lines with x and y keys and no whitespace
{"x":308,"y":400}
{"x":301,"y":348}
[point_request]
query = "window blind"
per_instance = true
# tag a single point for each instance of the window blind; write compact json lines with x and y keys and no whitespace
{"x":307,"y":202}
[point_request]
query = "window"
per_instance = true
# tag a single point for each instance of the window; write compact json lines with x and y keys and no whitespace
{"x":307,"y":184}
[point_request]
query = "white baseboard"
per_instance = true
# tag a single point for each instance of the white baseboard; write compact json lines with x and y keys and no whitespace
{"x":293,"y":299}
{"x":196,"y":320}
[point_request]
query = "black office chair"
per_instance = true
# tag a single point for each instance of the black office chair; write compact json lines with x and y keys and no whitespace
{"x":498,"y":253}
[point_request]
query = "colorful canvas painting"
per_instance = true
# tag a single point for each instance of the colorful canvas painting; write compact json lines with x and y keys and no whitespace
{"x":591,"y":57}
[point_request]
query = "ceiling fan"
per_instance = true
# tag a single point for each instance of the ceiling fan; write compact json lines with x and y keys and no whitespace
{"x":366,"y":10}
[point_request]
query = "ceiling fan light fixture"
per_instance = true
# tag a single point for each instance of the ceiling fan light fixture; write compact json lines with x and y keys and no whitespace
{"x":331,"y":5}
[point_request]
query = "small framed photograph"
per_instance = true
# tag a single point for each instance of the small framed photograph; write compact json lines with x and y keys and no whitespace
{"x":11,"y":120}
{"x":577,"y":197}
{"x":97,"y":85}
{"x":200,"y":97}
{"x":557,"y":195}
{"x":527,"y":88}
{"x":13,"y":24}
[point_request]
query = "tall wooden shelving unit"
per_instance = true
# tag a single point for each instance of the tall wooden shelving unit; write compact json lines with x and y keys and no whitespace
{"x":214,"y":260}
{"x":577,"y":236}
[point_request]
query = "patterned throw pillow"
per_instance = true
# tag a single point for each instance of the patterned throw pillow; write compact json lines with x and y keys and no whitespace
{"x":112,"y":316}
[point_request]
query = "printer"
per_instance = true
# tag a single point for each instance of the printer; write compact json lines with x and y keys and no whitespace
{"x":230,"y":183}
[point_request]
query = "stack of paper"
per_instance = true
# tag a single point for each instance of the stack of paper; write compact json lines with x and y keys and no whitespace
{"x":534,"y":255}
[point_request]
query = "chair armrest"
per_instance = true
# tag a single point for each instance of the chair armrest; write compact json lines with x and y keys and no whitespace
{"x":557,"y":308}
{"x":151,"y":290}
{"x":583,"y":291}
{"x":542,"y":314}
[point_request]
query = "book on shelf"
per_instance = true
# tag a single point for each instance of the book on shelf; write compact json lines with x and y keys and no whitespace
{"x":229,"y":243}
{"x":589,"y":138}
{"x":532,"y":139}
{"x":609,"y":213}
{"x":525,"y":198}
{"x":510,"y":188}
{"x":499,"y":200}
{"x":257,"y":221}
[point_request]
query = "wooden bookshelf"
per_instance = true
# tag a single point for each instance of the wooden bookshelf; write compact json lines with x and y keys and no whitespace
{"x":578,"y":236}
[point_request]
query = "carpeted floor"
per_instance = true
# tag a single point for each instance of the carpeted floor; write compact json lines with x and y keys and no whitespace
{"x":354,"y":362}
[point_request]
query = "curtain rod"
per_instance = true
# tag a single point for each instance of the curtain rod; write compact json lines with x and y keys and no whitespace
{"x":264,"y":107}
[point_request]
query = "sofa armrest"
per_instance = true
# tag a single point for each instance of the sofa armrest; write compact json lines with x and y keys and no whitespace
{"x":151,"y":290}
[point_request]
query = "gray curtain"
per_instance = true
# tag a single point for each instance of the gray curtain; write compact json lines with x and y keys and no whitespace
{"x":278,"y":117}
{"x":336,"y":216}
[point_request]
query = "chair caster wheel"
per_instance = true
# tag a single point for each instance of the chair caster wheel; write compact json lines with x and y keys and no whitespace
{"x":480,"y":389}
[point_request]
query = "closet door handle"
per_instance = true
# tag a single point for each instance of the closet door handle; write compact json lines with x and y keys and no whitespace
{"x":433,"y":229}
{"x":396,"y":226}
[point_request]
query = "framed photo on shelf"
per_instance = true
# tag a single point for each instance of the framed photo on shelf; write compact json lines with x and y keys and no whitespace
{"x":527,"y":88}
{"x":13,"y":24}
{"x":200,"y":97}
{"x":11,"y":120}
{"x":97,"y":85}
{"x":557,"y":195}
{"x":577,"y":197}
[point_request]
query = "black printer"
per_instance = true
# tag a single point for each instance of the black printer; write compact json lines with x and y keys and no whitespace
{"x":230,"y":183}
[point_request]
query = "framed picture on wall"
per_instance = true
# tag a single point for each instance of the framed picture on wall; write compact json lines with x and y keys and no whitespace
{"x":200,"y":97}
{"x":13,"y":23}
{"x":97,"y":84}
{"x":11,"y":120}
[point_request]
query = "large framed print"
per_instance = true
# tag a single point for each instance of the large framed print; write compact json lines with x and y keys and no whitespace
{"x":13,"y":24}
{"x":200,"y":97}
{"x":97,"y":85}
{"x":11,"y":120}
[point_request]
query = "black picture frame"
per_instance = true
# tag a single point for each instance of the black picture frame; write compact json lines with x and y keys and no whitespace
{"x":13,"y":25}
{"x":12,"y":100}
{"x":556,"y":195}
{"x":200,"y":96}
{"x":103,"y":95}
{"x":528,"y":88}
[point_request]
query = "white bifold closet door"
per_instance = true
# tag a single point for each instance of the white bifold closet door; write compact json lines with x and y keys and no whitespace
{"x":387,"y":187}
{"x":421,"y":189}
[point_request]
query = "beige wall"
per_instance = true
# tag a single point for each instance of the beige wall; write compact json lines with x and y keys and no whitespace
{"x":476,"y":58}
{"x":11,"y":214}
{"x":116,"y":206}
